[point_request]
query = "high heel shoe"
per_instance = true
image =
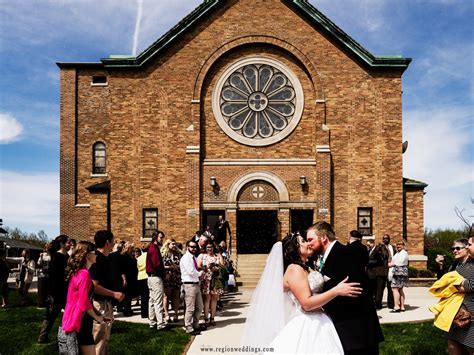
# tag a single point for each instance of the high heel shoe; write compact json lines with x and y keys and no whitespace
{"x":212,"y":322}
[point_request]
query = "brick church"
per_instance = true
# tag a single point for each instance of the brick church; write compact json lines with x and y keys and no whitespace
{"x":264,"y":112}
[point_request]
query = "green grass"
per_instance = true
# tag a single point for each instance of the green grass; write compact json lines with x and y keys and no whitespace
{"x":19,"y":328}
{"x":412,"y":338}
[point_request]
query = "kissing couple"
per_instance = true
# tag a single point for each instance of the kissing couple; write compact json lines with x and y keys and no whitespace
{"x":295,"y":309}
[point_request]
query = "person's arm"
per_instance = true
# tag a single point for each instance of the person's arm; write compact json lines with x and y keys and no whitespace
{"x":100,"y":290}
{"x":297,"y":280}
{"x":199,"y":261}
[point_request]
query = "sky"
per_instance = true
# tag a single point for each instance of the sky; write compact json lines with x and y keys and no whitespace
{"x":438,"y":90}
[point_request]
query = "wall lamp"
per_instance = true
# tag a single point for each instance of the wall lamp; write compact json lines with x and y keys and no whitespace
{"x":213,"y":181}
{"x":302,"y":180}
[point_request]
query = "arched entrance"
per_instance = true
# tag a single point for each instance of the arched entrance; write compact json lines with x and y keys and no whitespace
{"x":257,"y":197}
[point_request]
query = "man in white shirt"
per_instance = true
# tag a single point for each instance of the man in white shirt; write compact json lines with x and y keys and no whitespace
{"x":192,"y":291}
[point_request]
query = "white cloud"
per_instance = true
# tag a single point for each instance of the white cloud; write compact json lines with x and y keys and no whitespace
{"x":10,"y":128}
{"x":438,"y":154}
{"x":30,"y":199}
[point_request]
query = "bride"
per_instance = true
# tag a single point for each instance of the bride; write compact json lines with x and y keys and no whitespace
{"x":286,"y":308}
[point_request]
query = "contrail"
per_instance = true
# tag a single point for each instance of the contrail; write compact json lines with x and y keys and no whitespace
{"x":137,"y":26}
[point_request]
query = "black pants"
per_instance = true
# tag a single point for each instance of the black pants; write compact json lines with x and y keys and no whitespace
{"x":52,"y":312}
{"x":144,"y":296}
{"x":42,"y":290}
{"x":381,"y":283}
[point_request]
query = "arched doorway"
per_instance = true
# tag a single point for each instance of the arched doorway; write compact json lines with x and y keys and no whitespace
{"x":257,"y":218}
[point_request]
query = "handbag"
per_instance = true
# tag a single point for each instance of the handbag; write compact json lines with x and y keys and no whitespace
{"x":400,"y":271}
{"x":462,"y":319}
{"x":67,"y":342}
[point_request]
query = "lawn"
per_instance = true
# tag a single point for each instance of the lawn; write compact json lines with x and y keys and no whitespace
{"x":19,"y":329}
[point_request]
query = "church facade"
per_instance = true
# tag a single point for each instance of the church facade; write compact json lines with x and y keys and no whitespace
{"x":264,"y":112}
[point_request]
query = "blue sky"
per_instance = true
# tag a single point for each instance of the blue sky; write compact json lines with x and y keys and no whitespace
{"x":438,"y":105}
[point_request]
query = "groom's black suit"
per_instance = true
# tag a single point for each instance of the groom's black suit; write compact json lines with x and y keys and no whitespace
{"x":355,"y":319}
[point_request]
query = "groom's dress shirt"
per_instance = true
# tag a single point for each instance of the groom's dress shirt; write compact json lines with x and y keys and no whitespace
{"x":188,"y":267}
{"x":328,"y":250}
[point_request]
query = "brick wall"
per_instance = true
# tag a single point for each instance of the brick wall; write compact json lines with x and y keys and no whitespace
{"x":148,"y":117}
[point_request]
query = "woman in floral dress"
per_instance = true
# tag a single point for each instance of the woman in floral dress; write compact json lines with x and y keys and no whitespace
{"x":172,"y":281}
{"x":209,"y":262}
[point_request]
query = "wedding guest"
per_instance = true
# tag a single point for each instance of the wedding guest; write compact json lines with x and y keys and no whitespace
{"x":155,"y":270}
{"x":43,"y":276}
{"x":210,"y":263}
{"x":58,"y":250}
{"x":104,"y":293}
{"x":4,"y":273}
{"x":391,"y":252}
{"x":400,"y":277}
{"x":201,"y":244}
{"x":193,"y":299}
{"x":73,"y":246}
{"x":143,"y":282}
{"x":79,"y":312}
{"x":461,"y":340}
{"x":130,"y":270}
{"x":381,"y":273}
{"x":373,"y":262}
{"x":172,"y":281}
{"x":358,"y":251}
{"x":27,"y":271}
{"x":222,"y":227}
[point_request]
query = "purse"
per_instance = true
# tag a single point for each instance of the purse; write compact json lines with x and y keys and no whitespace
{"x":462,"y":319}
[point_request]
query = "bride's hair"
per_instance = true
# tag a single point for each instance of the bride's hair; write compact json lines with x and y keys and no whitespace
{"x":291,"y":252}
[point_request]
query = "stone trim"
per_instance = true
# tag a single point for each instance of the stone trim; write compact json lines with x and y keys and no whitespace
{"x":267,"y":176}
{"x":82,"y":205}
{"x":323,"y":149}
{"x":417,"y":257}
{"x":99,"y":175}
{"x":193,"y":149}
{"x":219,"y":162}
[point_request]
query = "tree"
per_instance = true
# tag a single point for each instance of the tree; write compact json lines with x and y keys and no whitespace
{"x":467,"y":220}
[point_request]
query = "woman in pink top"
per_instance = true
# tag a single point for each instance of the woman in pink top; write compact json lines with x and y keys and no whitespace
{"x":79,"y":312}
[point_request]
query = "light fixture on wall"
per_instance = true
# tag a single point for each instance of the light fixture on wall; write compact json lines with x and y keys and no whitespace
{"x":302,"y":180}
{"x":213,"y":181}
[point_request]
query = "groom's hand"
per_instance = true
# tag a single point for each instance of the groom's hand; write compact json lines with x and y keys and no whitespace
{"x":348,"y":289}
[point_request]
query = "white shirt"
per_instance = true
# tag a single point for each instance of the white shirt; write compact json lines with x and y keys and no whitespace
{"x":328,"y":250}
{"x":400,"y":258}
{"x":187,"y":265}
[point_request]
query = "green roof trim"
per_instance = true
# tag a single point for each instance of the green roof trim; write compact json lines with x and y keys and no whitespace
{"x":414,"y":183}
{"x":303,"y":6}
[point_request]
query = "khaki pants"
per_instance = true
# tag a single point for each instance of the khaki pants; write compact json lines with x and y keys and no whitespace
{"x":101,"y":331}
{"x":155,"y":302}
{"x":194,"y":306}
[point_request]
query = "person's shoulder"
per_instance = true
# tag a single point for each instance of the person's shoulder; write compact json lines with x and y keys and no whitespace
{"x":295,"y":269}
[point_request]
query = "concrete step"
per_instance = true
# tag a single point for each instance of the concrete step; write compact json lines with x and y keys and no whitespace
{"x":249,"y":269}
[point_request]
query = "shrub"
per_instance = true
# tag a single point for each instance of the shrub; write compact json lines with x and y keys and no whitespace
{"x":412,"y":272}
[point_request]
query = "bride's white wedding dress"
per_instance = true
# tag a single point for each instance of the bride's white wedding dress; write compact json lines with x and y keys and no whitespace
{"x":275,"y":318}
{"x":308,"y":332}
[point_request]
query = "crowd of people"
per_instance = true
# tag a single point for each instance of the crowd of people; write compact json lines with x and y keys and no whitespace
{"x":92,"y":281}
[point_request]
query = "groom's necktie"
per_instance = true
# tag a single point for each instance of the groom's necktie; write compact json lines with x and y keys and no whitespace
{"x":321,"y":263}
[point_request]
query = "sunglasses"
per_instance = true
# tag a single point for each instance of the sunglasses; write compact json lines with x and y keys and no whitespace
{"x":457,"y":248}
{"x":192,"y":247}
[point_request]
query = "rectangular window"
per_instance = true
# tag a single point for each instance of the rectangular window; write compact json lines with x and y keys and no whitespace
{"x":99,"y":80}
{"x":150,"y":222}
{"x":364,"y":220}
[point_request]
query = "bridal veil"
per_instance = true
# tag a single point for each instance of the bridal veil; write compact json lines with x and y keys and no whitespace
{"x":270,"y":307}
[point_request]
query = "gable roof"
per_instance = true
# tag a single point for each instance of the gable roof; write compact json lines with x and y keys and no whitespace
{"x":315,"y":17}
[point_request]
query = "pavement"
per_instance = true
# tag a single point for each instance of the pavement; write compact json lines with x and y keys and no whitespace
{"x":230,"y":321}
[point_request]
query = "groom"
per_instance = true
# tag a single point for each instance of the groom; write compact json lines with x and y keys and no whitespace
{"x":355,"y":319}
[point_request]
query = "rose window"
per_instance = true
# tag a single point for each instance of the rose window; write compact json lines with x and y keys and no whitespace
{"x":258,"y":101}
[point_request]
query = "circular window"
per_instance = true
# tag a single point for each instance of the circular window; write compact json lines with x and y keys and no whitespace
{"x":258,"y":101}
